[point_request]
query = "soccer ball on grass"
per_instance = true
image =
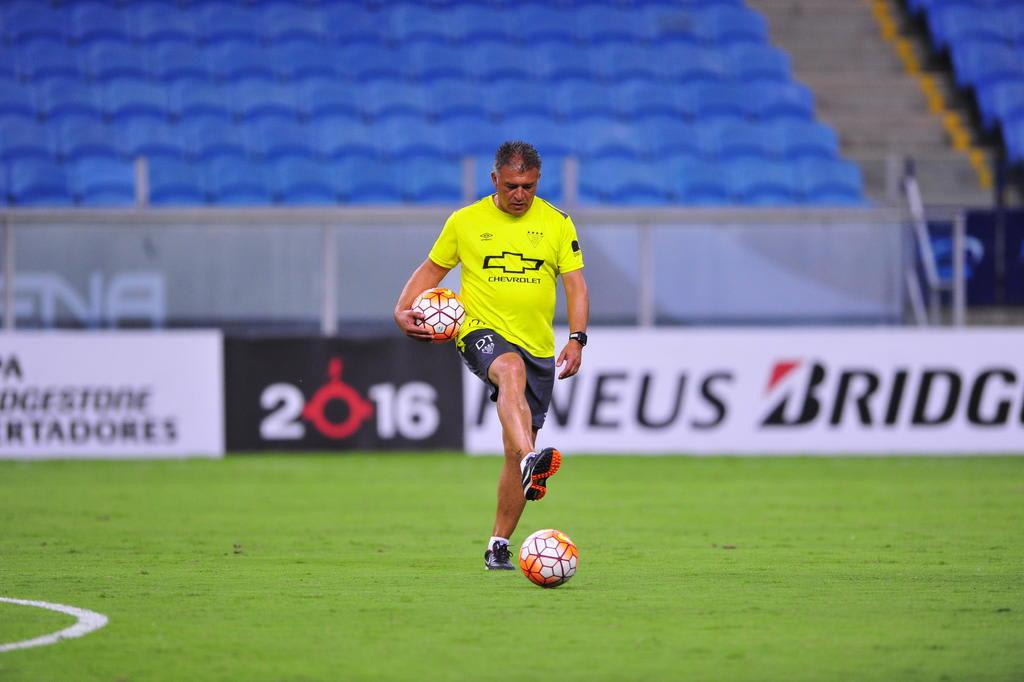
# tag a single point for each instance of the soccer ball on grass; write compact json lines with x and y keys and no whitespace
{"x":442,"y":311}
{"x":548,"y":558}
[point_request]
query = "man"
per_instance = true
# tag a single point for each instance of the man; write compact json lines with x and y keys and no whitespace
{"x":512,"y":249}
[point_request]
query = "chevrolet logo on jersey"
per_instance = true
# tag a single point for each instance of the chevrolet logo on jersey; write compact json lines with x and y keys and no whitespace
{"x":512,"y":263}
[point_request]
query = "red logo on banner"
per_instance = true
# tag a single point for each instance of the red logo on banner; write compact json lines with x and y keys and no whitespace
{"x":315,"y":411}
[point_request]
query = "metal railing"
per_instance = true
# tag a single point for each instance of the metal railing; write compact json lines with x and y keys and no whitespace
{"x":650,"y":260}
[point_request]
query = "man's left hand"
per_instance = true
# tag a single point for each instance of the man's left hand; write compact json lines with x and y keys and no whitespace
{"x":572,"y":357}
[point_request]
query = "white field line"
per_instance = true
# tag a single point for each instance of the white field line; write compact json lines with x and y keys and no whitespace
{"x":87,"y":622}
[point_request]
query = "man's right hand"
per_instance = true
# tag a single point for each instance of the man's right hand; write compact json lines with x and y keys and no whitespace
{"x":411,"y":323}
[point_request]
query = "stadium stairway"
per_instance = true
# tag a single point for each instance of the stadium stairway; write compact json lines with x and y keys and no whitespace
{"x":864,"y":92}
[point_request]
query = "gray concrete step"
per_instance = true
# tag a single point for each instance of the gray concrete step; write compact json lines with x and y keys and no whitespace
{"x":942,"y":176}
{"x":884,"y":132}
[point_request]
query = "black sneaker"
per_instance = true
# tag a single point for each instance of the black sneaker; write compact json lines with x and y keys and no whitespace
{"x":498,"y":558}
{"x":538,"y":469}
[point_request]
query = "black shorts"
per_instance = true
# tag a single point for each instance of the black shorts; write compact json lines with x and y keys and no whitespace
{"x":482,"y":346}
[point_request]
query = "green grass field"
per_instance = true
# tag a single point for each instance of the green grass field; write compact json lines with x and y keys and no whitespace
{"x":370,"y":568}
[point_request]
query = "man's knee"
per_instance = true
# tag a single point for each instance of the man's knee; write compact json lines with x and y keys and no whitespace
{"x":508,"y":370}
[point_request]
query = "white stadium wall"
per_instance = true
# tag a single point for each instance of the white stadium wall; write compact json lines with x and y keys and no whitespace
{"x":111,"y":394}
{"x":774,"y":392}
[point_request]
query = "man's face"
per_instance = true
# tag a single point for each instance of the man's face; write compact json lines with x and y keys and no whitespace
{"x":516,"y":188}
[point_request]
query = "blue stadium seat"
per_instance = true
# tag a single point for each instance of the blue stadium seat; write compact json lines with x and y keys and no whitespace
{"x":26,"y":139}
{"x":302,"y":60}
{"x":16,"y":98}
{"x":220,"y":21}
{"x":724,"y":25}
{"x":339,"y":136}
{"x":235,"y":59}
{"x":669,"y":136}
{"x":541,"y":22}
{"x":384,"y":98}
{"x":741,"y":139}
{"x":171,"y":61}
{"x":488,"y":61}
{"x":275,"y":138}
{"x":1013,"y":134}
{"x":305,"y":181}
{"x":763,"y":182}
{"x":432,"y":181}
{"x":670,"y":24}
{"x":408,"y":136}
{"x":979,"y":64}
{"x":430,"y":62}
{"x":580,"y":99}
{"x":622,"y":181}
{"x":723,"y":100}
{"x":231,"y":181}
{"x":830,"y":181}
{"x":596,"y":138}
{"x":353,"y":26}
{"x":155,"y":22}
{"x":700,"y":183}
{"x":804,"y":138}
{"x":597,"y":24}
{"x":43,"y":59}
{"x":256,"y":98}
{"x":151,"y":138}
{"x":113,"y":59}
{"x":174,"y":182}
{"x":102,"y":182}
{"x":414,"y":22}
{"x":38,"y":182}
{"x":91,"y":21}
{"x":550,"y":61}
{"x":470,"y":135}
{"x":374,"y":182}
{"x":9,"y":67}
{"x":367,"y":61}
{"x":132,"y":97}
{"x":204,"y":138}
{"x":28,"y":20}
{"x":779,"y":100}
{"x":621,"y":62}
{"x":58,"y":97}
{"x":517,"y":97}
{"x":752,"y":62}
{"x":474,"y":22}
{"x":639,"y":99}
{"x":79,"y":138}
{"x":285,"y":23}
{"x":1001,"y":102}
{"x":453,"y":97}
{"x":686,"y":63}
{"x":952,"y":24}
{"x":549,"y":137}
{"x":325,"y":97}
{"x":190,"y":98}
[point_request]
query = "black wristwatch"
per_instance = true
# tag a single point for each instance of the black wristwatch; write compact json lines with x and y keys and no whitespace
{"x":579,"y":337}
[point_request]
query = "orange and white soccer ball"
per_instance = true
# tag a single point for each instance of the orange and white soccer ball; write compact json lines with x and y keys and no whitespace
{"x":548,"y":558}
{"x":442,"y":311}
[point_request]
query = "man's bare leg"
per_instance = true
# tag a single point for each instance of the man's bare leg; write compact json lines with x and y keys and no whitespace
{"x":508,"y":372}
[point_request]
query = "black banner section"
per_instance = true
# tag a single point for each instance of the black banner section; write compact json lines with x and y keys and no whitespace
{"x":332,"y":394}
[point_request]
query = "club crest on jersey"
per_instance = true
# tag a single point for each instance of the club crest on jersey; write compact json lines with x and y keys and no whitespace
{"x":534,"y":236}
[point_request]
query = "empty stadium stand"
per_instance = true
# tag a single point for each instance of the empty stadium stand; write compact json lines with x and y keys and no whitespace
{"x":878,"y":110}
{"x":985,"y":43}
{"x":321,"y":102}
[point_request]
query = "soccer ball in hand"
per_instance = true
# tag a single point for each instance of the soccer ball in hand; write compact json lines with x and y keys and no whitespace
{"x":548,"y":558}
{"x":442,"y":311}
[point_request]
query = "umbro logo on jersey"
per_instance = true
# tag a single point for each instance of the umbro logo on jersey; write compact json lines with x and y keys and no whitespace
{"x":486,"y":236}
{"x":512,"y":263}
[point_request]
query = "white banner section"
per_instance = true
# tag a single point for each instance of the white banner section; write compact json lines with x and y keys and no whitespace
{"x":116,"y":394}
{"x":754,"y":391}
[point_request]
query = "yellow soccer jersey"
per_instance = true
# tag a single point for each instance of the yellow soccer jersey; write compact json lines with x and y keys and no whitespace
{"x":510,"y":266}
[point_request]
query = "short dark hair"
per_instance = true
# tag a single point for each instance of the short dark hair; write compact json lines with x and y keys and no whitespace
{"x":520,"y":155}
